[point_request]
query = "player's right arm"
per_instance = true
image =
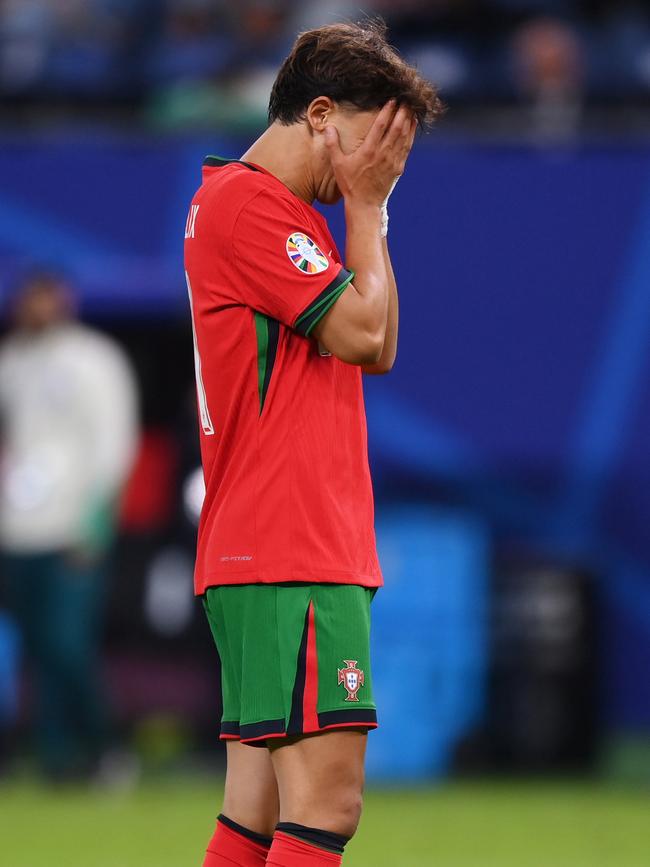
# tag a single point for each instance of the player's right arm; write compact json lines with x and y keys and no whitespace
{"x":355,"y":328}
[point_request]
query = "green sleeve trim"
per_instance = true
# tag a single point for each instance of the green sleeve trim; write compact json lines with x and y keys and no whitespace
{"x":326,"y":306}
{"x":319,"y":307}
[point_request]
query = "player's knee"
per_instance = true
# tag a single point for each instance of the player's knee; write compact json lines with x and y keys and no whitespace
{"x":259,"y":814}
{"x":353,"y":815}
{"x":345,"y":813}
{"x":261,"y":822}
{"x":336,"y":810}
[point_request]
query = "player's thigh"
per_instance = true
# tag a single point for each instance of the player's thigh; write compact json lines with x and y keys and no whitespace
{"x":320,"y":779}
{"x":251,"y":791}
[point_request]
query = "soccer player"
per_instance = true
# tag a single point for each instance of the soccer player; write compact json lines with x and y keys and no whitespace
{"x":283,"y":329}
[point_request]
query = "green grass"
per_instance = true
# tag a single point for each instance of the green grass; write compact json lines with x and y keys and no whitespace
{"x":457,"y":825}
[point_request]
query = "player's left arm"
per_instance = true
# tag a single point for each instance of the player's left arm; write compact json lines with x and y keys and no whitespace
{"x":389,"y":351}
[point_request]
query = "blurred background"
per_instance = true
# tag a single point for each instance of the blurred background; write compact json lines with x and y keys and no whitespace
{"x":509,"y":445}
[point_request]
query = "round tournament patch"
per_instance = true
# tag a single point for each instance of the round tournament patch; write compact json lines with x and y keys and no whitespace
{"x":305,"y":255}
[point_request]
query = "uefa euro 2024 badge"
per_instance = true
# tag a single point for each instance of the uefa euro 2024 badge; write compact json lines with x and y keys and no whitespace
{"x":352,"y":678}
{"x":305,"y":254}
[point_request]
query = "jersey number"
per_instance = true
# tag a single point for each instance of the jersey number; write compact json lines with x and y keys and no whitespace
{"x":204,"y":412}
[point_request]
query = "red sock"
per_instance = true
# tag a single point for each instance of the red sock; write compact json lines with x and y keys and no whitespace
{"x":229,"y":847}
{"x":288,"y":851}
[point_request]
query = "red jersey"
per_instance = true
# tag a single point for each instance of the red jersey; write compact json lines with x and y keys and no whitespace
{"x":282,"y":426}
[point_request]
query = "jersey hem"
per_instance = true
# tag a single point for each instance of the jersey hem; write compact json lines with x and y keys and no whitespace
{"x":217,"y":579}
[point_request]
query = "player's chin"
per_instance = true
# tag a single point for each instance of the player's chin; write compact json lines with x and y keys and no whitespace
{"x":330,"y":197}
{"x":329,"y":194}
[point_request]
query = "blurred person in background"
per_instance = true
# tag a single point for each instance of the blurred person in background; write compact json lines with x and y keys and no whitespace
{"x":549,"y":73}
{"x":27,"y":29}
{"x":68,"y":436}
{"x":215,"y":62}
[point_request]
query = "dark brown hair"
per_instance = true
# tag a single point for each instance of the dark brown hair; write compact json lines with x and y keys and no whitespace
{"x":349,"y":63}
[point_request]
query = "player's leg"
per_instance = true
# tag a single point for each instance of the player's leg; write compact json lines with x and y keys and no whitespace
{"x":251,"y":790}
{"x":320,"y":771}
{"x":250,"y":807}
{"x":320,"y":779}
{"x":250,"y":810}
{"x":296,"y":674}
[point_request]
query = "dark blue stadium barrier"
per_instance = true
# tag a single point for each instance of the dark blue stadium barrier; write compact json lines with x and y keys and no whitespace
{"x":521,"y":385}
{"x":9,"y":660}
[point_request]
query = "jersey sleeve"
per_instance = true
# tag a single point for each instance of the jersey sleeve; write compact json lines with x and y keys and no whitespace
{"x":283,"y":263}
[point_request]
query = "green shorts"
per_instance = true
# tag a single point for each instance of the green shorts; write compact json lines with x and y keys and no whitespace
{"x":295,"y":658}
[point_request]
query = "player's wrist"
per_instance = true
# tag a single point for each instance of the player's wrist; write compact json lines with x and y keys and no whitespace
{"x":362,"y":204}
{"x":359,"y":213}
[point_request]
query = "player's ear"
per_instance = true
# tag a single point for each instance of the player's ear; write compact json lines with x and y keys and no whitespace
{"x":319,"y":113}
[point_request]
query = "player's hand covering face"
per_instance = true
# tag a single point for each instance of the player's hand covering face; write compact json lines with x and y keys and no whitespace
{"x":368,"y":173}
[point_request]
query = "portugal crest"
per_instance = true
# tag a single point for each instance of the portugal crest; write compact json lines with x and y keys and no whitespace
{"x":352,"y":678}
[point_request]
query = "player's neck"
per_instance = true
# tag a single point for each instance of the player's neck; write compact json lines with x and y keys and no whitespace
{"x":285,"y":151}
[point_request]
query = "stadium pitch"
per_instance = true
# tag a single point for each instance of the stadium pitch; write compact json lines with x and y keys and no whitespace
{"x":481,"y":824}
